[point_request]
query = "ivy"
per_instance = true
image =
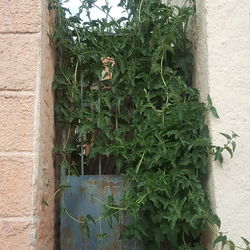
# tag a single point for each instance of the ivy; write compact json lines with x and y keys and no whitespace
{"x":142,"y":109}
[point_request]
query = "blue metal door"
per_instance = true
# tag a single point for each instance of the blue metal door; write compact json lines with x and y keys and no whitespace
{"x":85,"y":197}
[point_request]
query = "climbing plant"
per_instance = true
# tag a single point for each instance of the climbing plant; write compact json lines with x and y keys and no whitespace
{"x":124,"y":86}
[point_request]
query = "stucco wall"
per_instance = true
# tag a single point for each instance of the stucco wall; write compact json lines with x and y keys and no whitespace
{"x":223,"y":71}
{"x":26,"y":133}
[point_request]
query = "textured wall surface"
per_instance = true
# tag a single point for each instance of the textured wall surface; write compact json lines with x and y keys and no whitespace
{"x":223,"y":71}
{"x":26,"y":132}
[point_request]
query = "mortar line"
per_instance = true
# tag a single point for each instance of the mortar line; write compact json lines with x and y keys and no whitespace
{"x":18,"y":90}
{"x":19,"y":33}
{"x":17,"y":219}
{"x":16,"y":153}
{"x":16,"y":93}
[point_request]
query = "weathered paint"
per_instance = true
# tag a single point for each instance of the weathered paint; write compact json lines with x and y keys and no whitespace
{"x":85,"y":196}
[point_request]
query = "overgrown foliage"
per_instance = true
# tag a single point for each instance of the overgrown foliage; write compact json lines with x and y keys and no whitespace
{"x":147,"y":115}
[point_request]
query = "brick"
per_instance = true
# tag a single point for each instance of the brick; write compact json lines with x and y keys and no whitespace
{"x":20,"y":16}
{"x":15,"y":235}
{"x":16,"y":119}
{"x":16,"y":186}
{"x":19,"y":61}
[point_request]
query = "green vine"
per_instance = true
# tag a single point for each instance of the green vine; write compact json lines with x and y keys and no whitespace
{"x":143,"y":111}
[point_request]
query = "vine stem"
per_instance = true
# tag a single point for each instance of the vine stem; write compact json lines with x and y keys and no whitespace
{"x":75,"y":74}
{"x":140,"y":8}
{"x":65,"y":76}
{"x":162,"y":59}
{"x":78,"y":36}
{"x":64,"y":155}
{"x":153,"y":107}
{"x":82,"y":222}
{"x":218,"y":234}
{"x":64,"y":146}
{"x":100,"y":229}
{"x":117,"y":208}
{"x":73,"y":218}
{"x":140,"y":199}
{"x":103,"y":217}
{"x":140,"y":162}
{"x":134,"y":245}
{"x":105,"y":12}
{"x":67,"y":138}
{"x":54,"y":194}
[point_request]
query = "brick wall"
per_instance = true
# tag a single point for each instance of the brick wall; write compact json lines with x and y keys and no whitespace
{"x":26,"y":120}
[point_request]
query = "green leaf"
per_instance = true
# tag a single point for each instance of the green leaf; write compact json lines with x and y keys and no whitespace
{"x":229,"y":151}
{"x":63,"y":209}
{"x":245,"y":241}
{"x":90,"y":218}
{"x":216,"y":221}
{"x":217,"y":241}
{"x":209,"y":101}
{"x":235,"y":135}
{"x":217,"y":153}
{"x":214,"y":112}
{"x":44,"y":202}
{"x":220,"y":239}
{"x":233,"y":145}
{"x":221,"y":159}
{"x":85,"y":229}
{"x":64,"y":186}
{"x":226,"y":135}
{"x":103,"y":236}
{"x":231,"y":245}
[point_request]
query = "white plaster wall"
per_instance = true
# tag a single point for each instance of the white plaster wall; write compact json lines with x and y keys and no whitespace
{"x":223,"y":70}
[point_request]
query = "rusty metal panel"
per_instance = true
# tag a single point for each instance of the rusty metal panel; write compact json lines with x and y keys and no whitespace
{"x":85,"y":196}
